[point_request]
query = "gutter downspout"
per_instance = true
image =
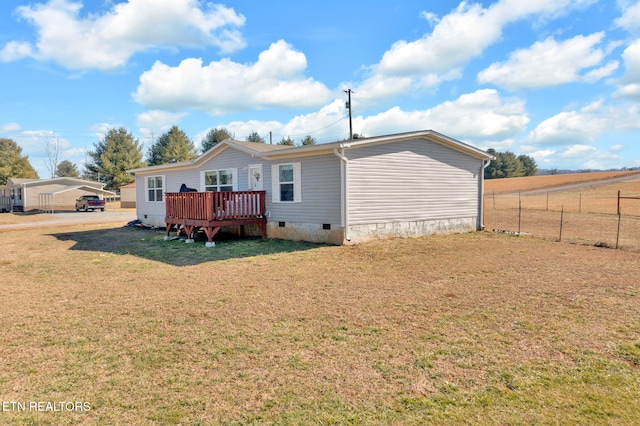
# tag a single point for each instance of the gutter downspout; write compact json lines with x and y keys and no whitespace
{"x":344,"y":189}
{"x":485,"y":164}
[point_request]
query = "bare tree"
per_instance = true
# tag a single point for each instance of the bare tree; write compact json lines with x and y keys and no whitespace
{"x":53,"y":153}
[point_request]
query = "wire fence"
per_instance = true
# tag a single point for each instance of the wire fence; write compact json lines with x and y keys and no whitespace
{"x":605,"y":219}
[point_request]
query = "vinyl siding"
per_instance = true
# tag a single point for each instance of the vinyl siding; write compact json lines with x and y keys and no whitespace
{"x":411,"y":181}
{"x":320,"y":179}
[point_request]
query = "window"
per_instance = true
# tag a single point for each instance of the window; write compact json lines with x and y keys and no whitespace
{"x":154,"y":188}
{"x":220,"y":180}
{"x":286,"y":183}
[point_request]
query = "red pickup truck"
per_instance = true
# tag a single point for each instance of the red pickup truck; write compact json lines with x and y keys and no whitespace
{"x":90,"y":202}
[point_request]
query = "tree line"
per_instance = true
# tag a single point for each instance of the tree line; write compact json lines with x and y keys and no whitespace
{"x":507,"y":164}
{"x":118,"y":152}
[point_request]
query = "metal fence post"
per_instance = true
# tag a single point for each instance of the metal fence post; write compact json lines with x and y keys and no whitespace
{"x":519,"y":212}
{"x":618,"y":232}
{"x":561,"y":222}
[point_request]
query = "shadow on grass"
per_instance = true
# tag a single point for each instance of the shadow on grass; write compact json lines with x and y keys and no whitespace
{"x":150,"y":244}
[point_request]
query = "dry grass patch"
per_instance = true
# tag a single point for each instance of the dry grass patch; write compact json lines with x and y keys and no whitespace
{"x":445,"y":329}
{"x":19,"y":218}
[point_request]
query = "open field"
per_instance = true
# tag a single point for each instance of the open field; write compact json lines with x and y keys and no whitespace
{"x":584,"y":212}
{"x":476,"y":328}
{"x":531,"y":183}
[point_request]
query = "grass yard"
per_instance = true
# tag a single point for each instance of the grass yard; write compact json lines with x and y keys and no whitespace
{"x":474,"y":328}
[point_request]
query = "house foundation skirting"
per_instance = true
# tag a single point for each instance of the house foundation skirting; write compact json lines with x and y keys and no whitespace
{"x":372,"y":231}
{"x":312,"y":232}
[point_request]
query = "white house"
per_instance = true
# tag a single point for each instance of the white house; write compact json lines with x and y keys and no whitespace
{"x":407,"y":184}
{"x":46,"y":194}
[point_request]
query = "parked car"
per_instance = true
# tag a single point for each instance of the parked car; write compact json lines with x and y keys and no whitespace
{"x":90,"y":202}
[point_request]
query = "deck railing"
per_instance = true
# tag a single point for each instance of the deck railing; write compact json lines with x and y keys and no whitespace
{"x":212,"y":206}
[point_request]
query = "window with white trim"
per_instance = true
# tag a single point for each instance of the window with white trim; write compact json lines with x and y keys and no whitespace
{"x":286,"y":183}
{"x":220,"y":180}
{"x":155,"y":188}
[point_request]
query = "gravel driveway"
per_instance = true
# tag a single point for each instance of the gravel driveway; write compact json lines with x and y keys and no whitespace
{"x":74,"y":218}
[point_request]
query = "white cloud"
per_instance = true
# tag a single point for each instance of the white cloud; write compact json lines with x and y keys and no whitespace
{"x":153,"y":123}
{"x":478,"y":116}
{"x":585,"y":125}
{"x":543,"y":155}
{"x":464,"y":34}
{"x":9,"y":127}
{"x":630,"y":19}
{"x":629,"y":85}
{"x":579,"y":151}
{"x":475,"y":117}
{"x":550,"y":63}
{"x":241,"y":129}
{"x":107,"y":41}
{"x":14,"y":50}
{"x":431,"y":18}
{"x":276,"y":80}
{"x":456,"y":39}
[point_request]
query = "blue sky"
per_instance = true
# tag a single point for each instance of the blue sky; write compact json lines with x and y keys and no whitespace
{"x":558,"y":80}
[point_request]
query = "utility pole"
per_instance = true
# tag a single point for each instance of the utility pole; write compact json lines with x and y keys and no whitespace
{"x":348,"y":105}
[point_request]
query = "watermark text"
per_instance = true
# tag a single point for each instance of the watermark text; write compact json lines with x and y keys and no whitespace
{"x":45,"y":406}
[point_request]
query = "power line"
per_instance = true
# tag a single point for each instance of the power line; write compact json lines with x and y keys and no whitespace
{"x":317,"y":130}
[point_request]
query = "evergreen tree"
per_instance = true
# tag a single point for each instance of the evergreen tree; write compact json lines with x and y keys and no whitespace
{"x":288,"y":141}
{"x":118,"y":152}
{"x":308,"y":140}
{"x":506,"y":165}
{"x":494,"y":169}
{"x":255,"y":137}
{"x":172,"y":147}
{"x":12,"y":163}
{"x":511,"y":166}
{"x":67,"y":169}
{"x":213,"y":137}
{"x":529,"y":165}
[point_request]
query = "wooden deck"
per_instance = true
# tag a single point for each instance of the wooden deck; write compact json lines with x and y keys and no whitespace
{"x":210,"y":211}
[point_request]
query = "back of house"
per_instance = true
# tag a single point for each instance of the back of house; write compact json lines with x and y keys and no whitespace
{"x":407,"y":184}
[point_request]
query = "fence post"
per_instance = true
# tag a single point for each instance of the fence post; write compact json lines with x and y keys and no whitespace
{"x":547,"y":209}
{"x":519,"y":212}
{"x":618,"y":232}
{"x":580,"y":203}
{"x":561,"y":222}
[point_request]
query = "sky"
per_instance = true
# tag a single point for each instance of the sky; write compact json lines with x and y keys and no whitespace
{"x":558,"y":80}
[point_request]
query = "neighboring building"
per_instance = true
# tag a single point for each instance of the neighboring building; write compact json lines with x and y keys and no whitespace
{"x":49,"y":194}
{"x":128,"y":196}
{"x":5,"y":199}
{"x":406,"y":185}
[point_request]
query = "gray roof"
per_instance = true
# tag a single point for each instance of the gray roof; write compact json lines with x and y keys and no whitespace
{"x":274,"y":151}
